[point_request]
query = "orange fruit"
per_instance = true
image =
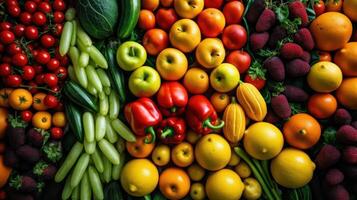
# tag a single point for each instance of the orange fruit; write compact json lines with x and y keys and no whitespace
{"x":347,"y":93}
{"x":4,"y":172}
{"x":146,"y":19}
{"x":139,"y":149}
{"x":333,"y":6}
{"x":174,"y":183}
{"x":220,"y":101}
{"x":59,"y":119}
{"x":325,"y":56}
{"x":38,"y":102}
{"x":166,"y":3}
{"x":325,"y":33}
{"x":302,"y":131}
{"x":346,"y":59}
{"x":150,"y":4}
{"x":3,"y":122}
{"x":211,"y":22}
{"x":20,"y":99}
{"x":350,"y":8}
{"x":196,"y":81}
{"x":4,"y":96}
{"x":322,"y":105}
{"x":42,"y":119}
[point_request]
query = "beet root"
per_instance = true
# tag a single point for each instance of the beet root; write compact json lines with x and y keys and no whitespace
{"x":275,"y":67}
{"x":334,"y":176}
{"x":338,"y":192}
{"x":349,"y":155}
{"x":295,"y":94}
{"x":327,"y":157}
{"x":342,"y":117}
{"x":297,"y":68}
{"x":280,"y":106}
{"x":347,"y":134}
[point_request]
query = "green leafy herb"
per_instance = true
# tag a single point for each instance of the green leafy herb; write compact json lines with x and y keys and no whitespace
{"x":16,"y":121}
{"x":292,"y":26}
{"x":53,"y":151}
{"x":329,"y":136}
{"x":266,"y":94}
{"x":267,"y":53}
{"x":297,"y":108}
{"x":275,"y":87}
{"x":256,"y":70}
{"x":39,"y":167}
{"x":282,"y":13}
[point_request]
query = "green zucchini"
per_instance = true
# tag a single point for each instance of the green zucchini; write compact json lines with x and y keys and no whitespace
{"x":113,"y":191}
{"x":74,"y":119}
{"x":129,"y":10}
{"x":116,"y":74}
{"x":80,"y":96}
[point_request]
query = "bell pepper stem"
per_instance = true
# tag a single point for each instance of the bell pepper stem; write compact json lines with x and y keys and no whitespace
{"x":173,"y":109}
{"x":207,"y":123}
{"x":150,"y":130}
{"x":167,"y":133}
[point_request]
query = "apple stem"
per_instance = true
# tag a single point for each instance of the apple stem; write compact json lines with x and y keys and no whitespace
{"x":167,"y":133}
{"x":150,"y":130}
{"x":207,"y":123}
{"x":173,"y":109}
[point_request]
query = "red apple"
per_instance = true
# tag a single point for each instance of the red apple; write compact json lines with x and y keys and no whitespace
{"x":165,"y":18}
{"x":234,"y":37}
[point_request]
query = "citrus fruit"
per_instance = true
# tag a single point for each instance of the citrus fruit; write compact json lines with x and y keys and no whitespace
{"x":197,"y":191}
{"x":212,"y":152}
{"x":346,"y":59}
{"x":139,"y":177}
{"x":224,"y":184}
{"x":322,"y":105}
{"x":349,"y":8}
{"x":325,"y":33}
{"x":174,"y":183}
{"x":252,"y":189}
{"x":292,"y":168}
{"x":263,"y":141}
{"x":347,"y":93}
{"x":324,"y":77}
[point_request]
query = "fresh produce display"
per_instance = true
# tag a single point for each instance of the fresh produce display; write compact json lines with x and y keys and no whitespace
{"x":178,"y":99}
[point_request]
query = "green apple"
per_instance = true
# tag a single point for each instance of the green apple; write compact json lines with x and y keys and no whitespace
{"x":131,"y":55}
{"x":225,"y":77}
{"x":144,"y":82}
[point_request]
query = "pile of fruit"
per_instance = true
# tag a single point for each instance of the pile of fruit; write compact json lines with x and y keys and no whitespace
{"x":178,"y":99}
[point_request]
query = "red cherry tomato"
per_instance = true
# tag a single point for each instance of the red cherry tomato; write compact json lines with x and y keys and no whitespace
{"x":5,"y":69}
{"x":58,"y":17}
{"x":44,"y":7}
{"x":43,"y":57}
{"x":7,"y":37}
{"x":61,"y":73}
{"x":51,"y":80}
{"x":53,"y":64}
{"x":59,"y":5}
{"x":19,"y":59}
{"x":38,"y":69}
{"x":58,"y":29}
{"x":259,"y":83}
{"x":28,"y":72}
{"x":6,"y":59}
{"x":165,"y":18}
{"x":47,"y":41}
{"x":13,"y":49}
{"x":39,"y":18}
{"x":40,"y":79}
{"x":19,"y":30}
{"x":25,"y":18}
{"x":12,"y":3}
{"x":33,"y":87}
{"x":319,"y":8}
{"x":31,"y":32}
{"x":5,"y":26}
{"x":51,"y":101}
{"x":56,"y":133}
{"x":14,"y":10}
{"x":30,"y":6}
{"x":13,"y":80}
{"x":26,"y":115}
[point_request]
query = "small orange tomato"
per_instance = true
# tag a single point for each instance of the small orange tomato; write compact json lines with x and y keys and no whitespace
{"x":4,"y":96}
{"x":139,"y":149}
{"x":196,"y":81}
{"x":155,"y":40}
{"x":59,"y":119}
{"x":150,"y":4}
{"x":20,"y":99}
{"x":333,"y":5}
{"x":38,"y":102}
{"x":211,"y":22}
{"x":174,"y":183}
{"x":322,"y":105}
{"x":146,"y":20}
{"x":233,"y":12}
{"x":220,"y":101}
{"x":166,"y":3}
{"x":325,"y":56}
{"x":42,"y":120}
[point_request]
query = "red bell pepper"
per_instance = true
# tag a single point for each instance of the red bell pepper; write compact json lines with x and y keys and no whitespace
{"x":172,"y":98}
{"x":172,"y":130}
{"x":201,"y":116}
{"x":143,"y":115}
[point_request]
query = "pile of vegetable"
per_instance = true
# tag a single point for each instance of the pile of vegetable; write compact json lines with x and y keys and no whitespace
{"x":178,"y":99}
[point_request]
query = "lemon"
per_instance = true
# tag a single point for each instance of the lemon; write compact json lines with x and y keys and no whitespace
{"x":243,"y":170}
{"x":139,"y":177}
{"x":292,"y":168}
{"x":263,"y":141}
{"x":212,"y":152}
{"x":224,"y":184}
{"x":324,"y":77}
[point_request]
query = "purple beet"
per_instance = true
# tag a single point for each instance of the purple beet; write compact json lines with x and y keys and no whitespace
{"x":271,"y":117}
{"x":337,"y":192}
{"x":327,"y":157}
{"x":295,"y":94}
{"x":28,"y":153}
{"x":297,"y":68}
{"x":349,"y":155}
{"x":342,"y":117}
{"x":347,"y":134}
{"x":265,"y":21}
{"x":280,"y":106}
{"x":275,"y":67}
{"x":255,"y":10}
{"x":334,"y":176}
{"x":258,"y":40}
{"x":278,"y":33}
{"x":306,"y":56}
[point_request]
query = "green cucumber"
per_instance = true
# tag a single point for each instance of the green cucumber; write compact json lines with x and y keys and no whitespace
{"x":129,"y":10}
{"x":80,"y":96}
{"x":74,"y":119}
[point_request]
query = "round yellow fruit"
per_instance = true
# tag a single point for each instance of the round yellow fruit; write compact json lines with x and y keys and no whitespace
{"x":195,"y":172}
{"x":210,"y":53}
{"x":185,"y":35}
{"x":212,"y":152}
{"x":263,"y":141}
{"x":324,"y":77}
{"x":182,"y":154}
{"x":243,"y":170}
{"x":224,"y":184}
{"x":252,"y":189}
{"x":161,"y":155}
{"x":171,"y":64}
{"x":224,"y":78}
{"x":350,"y":8}
{"x":234,"y":160}
{"x":197,"y":191}
{"x":292,"y":168}
{"x":192,"y":137}
{"x":139,"y":177}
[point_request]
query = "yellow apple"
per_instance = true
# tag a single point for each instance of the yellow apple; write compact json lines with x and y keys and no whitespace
{"x":161,"y":155}
{"x":171,"y":64}
{"x":210,"y":52}
{"x":185,"y":35}
{"x":188,"y":8}
{"x":224,"y":78}
{"x":182,"y":154}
